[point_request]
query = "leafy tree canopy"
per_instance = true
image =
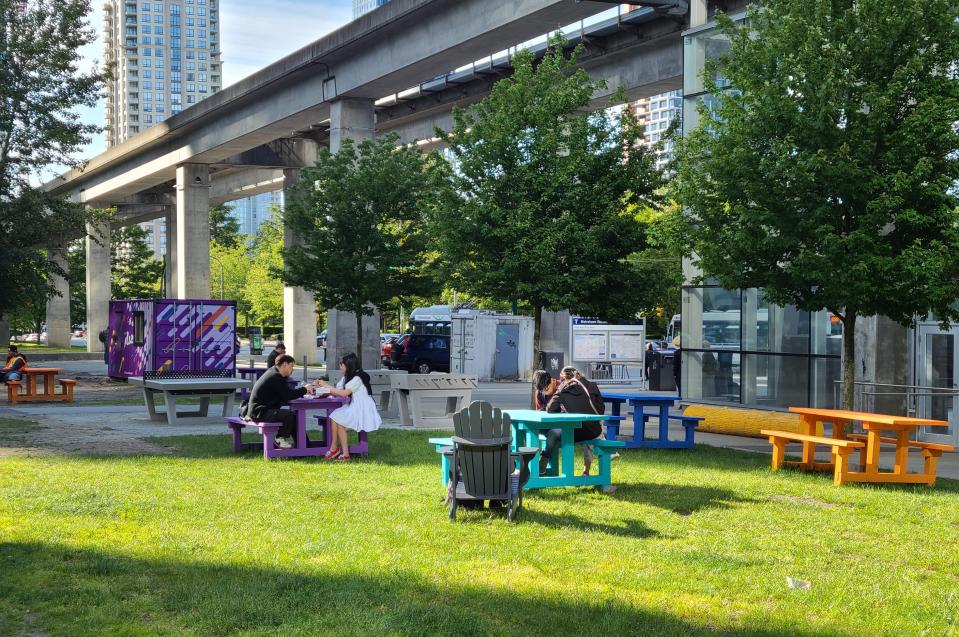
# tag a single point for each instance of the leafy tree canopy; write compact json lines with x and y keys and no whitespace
{"x":546,"y":184}
{"x":827,"y":175}
{"x":136,"y":274}
{"x":224,"y":229}
{"x":40,"y":86}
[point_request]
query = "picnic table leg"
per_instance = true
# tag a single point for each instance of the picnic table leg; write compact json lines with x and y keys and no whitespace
{"x":237,"y":437}
{"x":639,"y":424}
{"x":901,"y":467}
{"x":612,"y":428}
{"x":808,"y":424}
{"x":929,"y":467}
{"x":204,"y":406}
{"x":872,"y":451}
{"x":228,"y":404}
{"x":841,"y":470}
{"x":149,"y":399}
{"x":664,"y":423}
{"x":269,"y":442}
{"x":170,"y":400}
{"x":404,"y":406}
{"x":779,"y":452}
{"x":568,"y":450}
{"x":31,"y":384}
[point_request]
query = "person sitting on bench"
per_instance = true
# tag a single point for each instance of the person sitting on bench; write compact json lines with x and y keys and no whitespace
{"x":278,"y":351}
{"x":573,"y":397}
{"x":13,"y":370}
{"x":271,"y":392}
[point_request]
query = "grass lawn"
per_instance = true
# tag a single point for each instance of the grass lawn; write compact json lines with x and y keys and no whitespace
{"x":40,"y":348}
{"x":693,"y":542}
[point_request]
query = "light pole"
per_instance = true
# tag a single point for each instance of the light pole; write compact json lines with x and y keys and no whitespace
{"x":219,"y":263}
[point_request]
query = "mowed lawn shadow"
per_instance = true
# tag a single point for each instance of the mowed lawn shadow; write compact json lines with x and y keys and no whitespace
{"x":49,"y":588}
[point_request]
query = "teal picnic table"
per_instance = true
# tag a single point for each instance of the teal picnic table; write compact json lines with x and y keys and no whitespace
{"x":528,"y":425}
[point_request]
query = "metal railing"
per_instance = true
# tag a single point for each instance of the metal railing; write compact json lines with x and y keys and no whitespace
{"x":892,"y":398}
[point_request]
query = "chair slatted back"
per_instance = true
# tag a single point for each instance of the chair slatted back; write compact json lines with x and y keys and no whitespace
{"x":485,"y":471}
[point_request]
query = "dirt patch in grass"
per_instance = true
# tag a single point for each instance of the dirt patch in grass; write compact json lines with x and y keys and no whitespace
{"x":813,"y":502}
{"x":29,"y":438}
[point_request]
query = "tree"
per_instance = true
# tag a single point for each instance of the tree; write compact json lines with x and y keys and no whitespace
{"x":826,"y":177}
{"x":360,"y":216}
{"x":136,"y":274}
{"x":77,"y":279}
{"x":264,"y":287}
{"x":40,"y":87}
{"x":224,"y":229}
{"x":545,"y":189}
{"x":234,"y":263}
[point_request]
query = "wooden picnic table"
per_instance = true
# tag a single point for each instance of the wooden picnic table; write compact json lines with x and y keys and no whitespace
{"x":874,"y":425}
{"x":527,"y":426}
{"x":30,"y":386}
{"x":661,"y":404}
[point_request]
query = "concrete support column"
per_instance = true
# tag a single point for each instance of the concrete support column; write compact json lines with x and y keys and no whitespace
{"x":192,"y":261}
{"x":58,"y":307}
{"x":698,"y":13}
{"x":169,"y":273}
{"x":352,"y":119}
{"x":98,"y":283}
{"x":299,"y":305}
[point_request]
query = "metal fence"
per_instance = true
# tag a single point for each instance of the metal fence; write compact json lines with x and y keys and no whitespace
{"x":891,"y":398}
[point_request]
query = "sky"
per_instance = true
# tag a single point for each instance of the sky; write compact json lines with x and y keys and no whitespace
{"x":253,"y":34}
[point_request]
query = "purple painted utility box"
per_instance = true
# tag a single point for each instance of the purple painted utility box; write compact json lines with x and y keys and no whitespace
{"x":150,"y":335}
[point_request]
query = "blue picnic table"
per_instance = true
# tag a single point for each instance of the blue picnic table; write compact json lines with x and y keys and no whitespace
{"x":659,"y":402}
{"x":528,"y":425}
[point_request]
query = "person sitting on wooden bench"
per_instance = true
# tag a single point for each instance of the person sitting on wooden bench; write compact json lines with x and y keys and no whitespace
{"x":12,"y":370}
{"x":271,"y":392}
{"x":573,"y":397}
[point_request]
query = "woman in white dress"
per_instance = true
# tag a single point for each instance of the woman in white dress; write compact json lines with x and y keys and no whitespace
{"x":359,"y":414}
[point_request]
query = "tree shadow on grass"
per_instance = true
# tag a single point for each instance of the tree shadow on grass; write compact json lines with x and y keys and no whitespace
{"x":51,"y":588}
{"x":681,"y":499}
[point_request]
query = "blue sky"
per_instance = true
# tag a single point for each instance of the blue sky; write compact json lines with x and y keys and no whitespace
{"x":254,"y":33}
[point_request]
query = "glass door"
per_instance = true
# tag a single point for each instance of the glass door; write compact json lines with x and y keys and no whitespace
{"x":938,"y":366}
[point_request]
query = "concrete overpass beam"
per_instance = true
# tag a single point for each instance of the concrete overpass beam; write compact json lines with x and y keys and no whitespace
{"x":58,"y":307}
{"x":192,"y":261}
{"x":299,"y":305}
{"x":698,"y":13}
{"x":98,"y":283}
{"x":352,"y":118}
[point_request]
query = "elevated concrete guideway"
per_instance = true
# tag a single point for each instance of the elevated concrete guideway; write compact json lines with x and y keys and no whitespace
{"x":381,"y":53}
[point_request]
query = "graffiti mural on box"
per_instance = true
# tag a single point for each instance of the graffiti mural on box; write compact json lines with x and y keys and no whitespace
{"x":170,"y":335}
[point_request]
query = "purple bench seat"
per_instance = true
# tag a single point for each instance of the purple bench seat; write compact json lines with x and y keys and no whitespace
{"x":266,"y":429}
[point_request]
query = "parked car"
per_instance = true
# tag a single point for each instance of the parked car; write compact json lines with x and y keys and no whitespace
{"x":386,"y":348}
{"x":421,"y":353}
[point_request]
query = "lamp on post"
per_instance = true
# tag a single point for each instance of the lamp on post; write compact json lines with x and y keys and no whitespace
{"x":219,"y":263}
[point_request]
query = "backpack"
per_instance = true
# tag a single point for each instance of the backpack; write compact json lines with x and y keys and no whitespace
{"x":245,"y":408}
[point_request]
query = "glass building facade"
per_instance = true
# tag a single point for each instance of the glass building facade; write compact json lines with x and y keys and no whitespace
{"x":737,"y":347}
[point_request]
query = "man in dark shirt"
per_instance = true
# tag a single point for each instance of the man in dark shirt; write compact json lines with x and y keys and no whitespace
{"x":278,"y":351}
{"x":271,"y":392}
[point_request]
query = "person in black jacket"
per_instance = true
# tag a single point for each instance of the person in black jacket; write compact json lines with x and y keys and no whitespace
{"x":573,"y":397}
{"x":278,"y":351}
{"x":271,"y":392}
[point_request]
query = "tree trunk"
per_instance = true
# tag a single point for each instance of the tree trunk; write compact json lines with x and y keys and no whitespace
{"x":359,"y":338}
{"x":848,"y":359}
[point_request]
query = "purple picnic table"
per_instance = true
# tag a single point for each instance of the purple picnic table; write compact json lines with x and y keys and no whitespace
{"x":306,"y":447}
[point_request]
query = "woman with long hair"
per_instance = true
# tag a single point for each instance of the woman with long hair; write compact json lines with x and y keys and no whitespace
{"x":359,"y":414}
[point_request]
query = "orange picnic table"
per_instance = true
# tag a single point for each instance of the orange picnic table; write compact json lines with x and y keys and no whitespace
{"x":30,"y":386}
{"x":868,"y":444}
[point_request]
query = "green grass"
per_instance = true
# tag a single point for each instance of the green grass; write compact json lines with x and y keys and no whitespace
{"x":40,"y":348}
{"x":210,"y":543}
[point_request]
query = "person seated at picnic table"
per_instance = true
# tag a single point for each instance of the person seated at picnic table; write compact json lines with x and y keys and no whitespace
{"x":544,"y":386}
{"x":359,"y":414}
{"x":278,"y":351}
{"x":271,"y":393}
{"x":13,"y":369}
{"x":573,"y":397}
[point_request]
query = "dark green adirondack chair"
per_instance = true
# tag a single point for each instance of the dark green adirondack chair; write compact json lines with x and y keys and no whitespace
{"x":484,"y":466}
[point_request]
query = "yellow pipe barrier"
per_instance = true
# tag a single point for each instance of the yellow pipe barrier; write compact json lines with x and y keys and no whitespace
{"x":740,"y":421}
